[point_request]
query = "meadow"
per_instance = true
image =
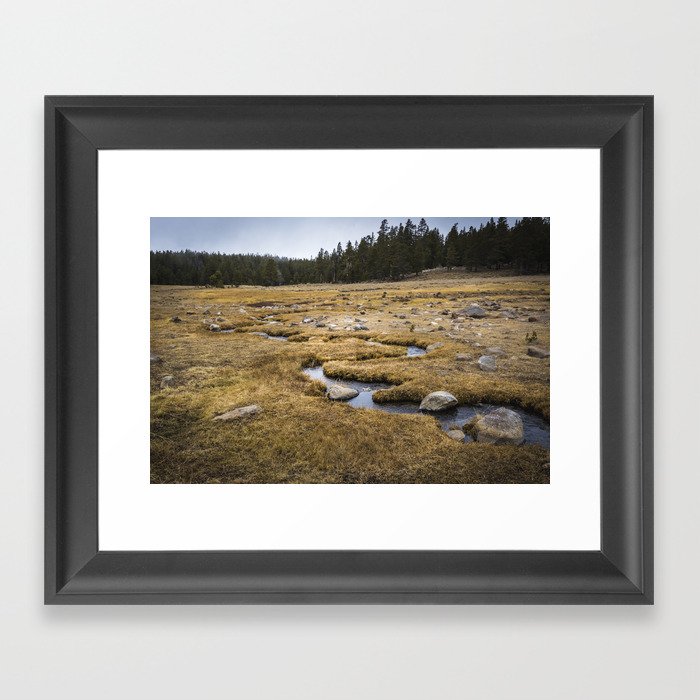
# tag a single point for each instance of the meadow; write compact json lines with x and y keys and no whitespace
{"x":214,"y":350}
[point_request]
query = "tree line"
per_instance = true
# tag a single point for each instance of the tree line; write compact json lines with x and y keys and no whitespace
{"x":391,"y":253}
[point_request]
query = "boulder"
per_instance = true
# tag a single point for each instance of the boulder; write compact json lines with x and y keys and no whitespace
{"x":438,"y":401}
{"x":455,"y":435}
{"x":537,"y":351}
{"x":474,"y":311}
{"x":499,"y":427}
{"x":238,"y":413}
{"x":341,"y":393}
{"x":487,"y":363}
{"x":167,"y":381}
{"x":434,"y":346}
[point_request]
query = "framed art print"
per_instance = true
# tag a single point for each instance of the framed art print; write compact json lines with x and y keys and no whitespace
{"x":349,"y":349}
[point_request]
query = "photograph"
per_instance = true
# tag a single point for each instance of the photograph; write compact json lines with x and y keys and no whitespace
{"x":349,"y":350}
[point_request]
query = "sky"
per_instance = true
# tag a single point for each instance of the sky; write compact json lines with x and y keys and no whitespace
{"x":296,"y":237}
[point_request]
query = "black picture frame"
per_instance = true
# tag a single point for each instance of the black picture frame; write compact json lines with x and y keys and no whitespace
{"x":76,"y":572}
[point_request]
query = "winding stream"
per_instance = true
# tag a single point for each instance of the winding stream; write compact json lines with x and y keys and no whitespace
{"x":536,"y":429}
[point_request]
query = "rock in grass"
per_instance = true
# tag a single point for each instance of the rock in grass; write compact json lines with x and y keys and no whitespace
{"x":474,"y":311}
{"x":499,"y":427}
{"x":536,"y":351}
{"x":341,"y":393}
{"x":176,"y":319}
{"x":487,"y":363}
{"x":438,"y":401}
{"x":238,"y":413}
{"x":156,"y":359}
{"x":360,"y":327}
{"x":455,"y":435}
{"x":462,"y":357}
{"x":495,"y":351}
{"x":214,"y":327}
{"x":167,"y":381}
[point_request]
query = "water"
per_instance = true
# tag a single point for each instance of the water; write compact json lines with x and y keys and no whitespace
{"x":536,"y":429}
{"x":273,"y":337}
{"x":415,"y":351}
{"x":366,"y":389}
{"x":263,"y":335}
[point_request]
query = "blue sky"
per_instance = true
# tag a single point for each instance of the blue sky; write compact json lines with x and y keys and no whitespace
{"x":296,"y":237}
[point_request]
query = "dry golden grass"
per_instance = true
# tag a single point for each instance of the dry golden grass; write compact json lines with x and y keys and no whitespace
{"x":300,"y":436}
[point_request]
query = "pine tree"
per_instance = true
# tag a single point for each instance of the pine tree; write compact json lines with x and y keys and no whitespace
{"x":217,"y":279}
{"x":452,"y":257}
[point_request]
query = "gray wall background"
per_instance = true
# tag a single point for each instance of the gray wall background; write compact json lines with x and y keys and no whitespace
{"x":317,"y":47}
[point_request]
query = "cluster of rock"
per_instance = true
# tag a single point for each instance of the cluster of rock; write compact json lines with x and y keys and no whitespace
{"x":322,"y":322}
{"x":500,"y":426}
